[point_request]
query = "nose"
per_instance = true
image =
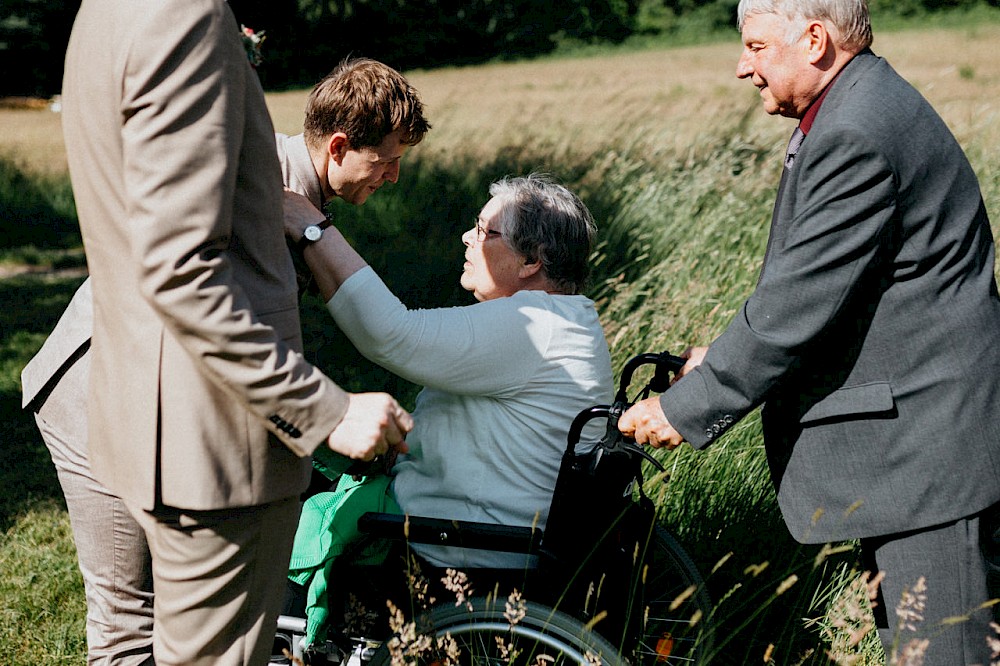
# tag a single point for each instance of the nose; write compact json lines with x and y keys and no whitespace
{"x":392,"y":173}
{"x":743,"y":67}
{"x":469,"y":237}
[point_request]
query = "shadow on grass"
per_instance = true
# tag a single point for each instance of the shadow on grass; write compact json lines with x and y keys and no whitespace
{"x":26,"y":472}
{"x":35,"y":210}
{"x":764,"y":593}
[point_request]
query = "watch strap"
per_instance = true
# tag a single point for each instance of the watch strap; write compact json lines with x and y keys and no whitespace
{"x":303,"y":241}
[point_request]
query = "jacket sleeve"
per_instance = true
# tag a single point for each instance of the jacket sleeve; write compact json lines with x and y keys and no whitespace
{"x":827,"y":243}
{"x":185,"y":110}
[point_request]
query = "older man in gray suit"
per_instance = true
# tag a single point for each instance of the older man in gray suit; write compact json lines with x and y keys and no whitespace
{"x":871,"y":336}
{"x":203,"y":412}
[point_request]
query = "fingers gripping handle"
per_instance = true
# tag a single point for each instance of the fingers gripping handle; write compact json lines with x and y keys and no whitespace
{"x":613,"y":441}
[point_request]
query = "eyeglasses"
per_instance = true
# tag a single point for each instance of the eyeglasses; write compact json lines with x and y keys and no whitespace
{"x":482,"y":234}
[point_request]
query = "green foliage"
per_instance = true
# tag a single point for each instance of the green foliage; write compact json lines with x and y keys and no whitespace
{"x":916,"y":8}
{"x":33,"y":38}
{"x":654,"y":17}
{"x":893,"y":15}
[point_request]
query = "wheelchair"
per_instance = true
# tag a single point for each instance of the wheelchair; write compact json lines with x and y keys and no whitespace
{"x":611,"y":586}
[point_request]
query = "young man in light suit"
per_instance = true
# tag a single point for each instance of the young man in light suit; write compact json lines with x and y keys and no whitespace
{"x":385,"y":116}
{"x":203,"y":413}
{"x":870,"y":338}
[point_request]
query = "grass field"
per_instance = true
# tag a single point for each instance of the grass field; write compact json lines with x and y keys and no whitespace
{"x":679,"y":165}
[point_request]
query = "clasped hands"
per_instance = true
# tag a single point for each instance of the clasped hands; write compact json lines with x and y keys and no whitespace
{"x":374,"y":425}
{"x":645,"y":421}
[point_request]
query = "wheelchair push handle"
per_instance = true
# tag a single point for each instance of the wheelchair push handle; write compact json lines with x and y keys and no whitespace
{"x":613,"y":441}
{"x":665,"y":362}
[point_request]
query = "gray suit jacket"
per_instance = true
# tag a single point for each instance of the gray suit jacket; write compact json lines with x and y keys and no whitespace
{"x":871,"y":335}
{"x":200,"y":398}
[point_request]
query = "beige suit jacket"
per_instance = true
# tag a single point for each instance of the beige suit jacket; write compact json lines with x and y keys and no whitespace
{"x":200,"y":398}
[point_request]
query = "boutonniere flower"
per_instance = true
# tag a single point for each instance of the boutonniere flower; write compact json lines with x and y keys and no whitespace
{"x":251,"y":42}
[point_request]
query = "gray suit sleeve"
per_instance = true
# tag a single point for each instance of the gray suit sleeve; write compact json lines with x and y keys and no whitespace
{"x":828,"y":232}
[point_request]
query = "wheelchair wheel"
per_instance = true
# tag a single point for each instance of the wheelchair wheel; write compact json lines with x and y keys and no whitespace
{"x":484,"y":636}
{"x":677,"y":629}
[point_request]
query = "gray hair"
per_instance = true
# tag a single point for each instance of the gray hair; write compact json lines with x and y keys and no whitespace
{"x":543,"y":221}
{"x":849,"y":18}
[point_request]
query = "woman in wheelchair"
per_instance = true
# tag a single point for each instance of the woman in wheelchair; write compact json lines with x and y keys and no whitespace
{"x":503,"y":378}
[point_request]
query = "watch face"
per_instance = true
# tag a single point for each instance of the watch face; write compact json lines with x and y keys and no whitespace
{"x":313,"y":233}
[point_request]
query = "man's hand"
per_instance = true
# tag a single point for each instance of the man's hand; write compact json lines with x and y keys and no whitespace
{"x":299,"y":214}
{"x":694,"y":356}
{"x":646,"y":423}
{"x":373,"y":425}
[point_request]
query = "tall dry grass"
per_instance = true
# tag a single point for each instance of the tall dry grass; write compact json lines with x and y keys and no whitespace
{"x":663,"y":100}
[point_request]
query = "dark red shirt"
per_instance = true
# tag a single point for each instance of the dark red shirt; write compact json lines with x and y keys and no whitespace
{"x":807,"y":120}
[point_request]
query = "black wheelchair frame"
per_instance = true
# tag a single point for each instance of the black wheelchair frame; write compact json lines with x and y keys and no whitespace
{"x":611,"y":586}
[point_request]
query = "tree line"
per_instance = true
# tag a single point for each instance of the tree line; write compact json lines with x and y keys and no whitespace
{"x":305,"y":38}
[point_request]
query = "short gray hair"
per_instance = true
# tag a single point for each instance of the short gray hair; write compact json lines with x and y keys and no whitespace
{"x":849,"y":17}
{"x":543,"y":221}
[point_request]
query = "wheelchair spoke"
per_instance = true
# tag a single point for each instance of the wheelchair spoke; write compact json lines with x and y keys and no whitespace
{"x":677,"y":629}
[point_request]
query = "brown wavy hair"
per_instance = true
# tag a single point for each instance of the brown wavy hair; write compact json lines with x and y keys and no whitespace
{"x":366,"y":100}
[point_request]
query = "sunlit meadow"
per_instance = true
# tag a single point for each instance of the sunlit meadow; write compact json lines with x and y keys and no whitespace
{"x":679,"y":164}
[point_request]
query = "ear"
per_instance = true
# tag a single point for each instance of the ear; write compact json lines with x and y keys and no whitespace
{"x":818,"y":41}
{"x":529,"y":269}
{"x":337,"y":146}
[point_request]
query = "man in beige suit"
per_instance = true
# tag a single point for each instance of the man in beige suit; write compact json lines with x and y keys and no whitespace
{"x":202,"y":411}
{"x":385,"y":116}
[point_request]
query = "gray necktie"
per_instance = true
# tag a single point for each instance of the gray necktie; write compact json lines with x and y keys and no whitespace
{"x":793,"y":147}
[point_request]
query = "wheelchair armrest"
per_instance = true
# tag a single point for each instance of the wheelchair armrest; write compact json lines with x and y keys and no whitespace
{"x":444,"y":532}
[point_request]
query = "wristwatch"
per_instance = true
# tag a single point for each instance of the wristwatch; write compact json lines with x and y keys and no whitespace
{"x":312,"y":234}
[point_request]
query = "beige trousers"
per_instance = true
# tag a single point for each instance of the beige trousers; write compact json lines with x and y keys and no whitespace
{"x":220,"y":579}
{"x":111,"y":548}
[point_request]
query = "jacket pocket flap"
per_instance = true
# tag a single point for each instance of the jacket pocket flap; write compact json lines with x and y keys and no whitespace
{"x":865,"y":399}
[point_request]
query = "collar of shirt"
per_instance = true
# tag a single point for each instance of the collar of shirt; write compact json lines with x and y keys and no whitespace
{"x":301,"y":174}
{"x":810,"y":116}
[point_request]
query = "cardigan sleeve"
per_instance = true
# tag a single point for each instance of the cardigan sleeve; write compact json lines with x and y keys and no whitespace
{"x":488,"y":348}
